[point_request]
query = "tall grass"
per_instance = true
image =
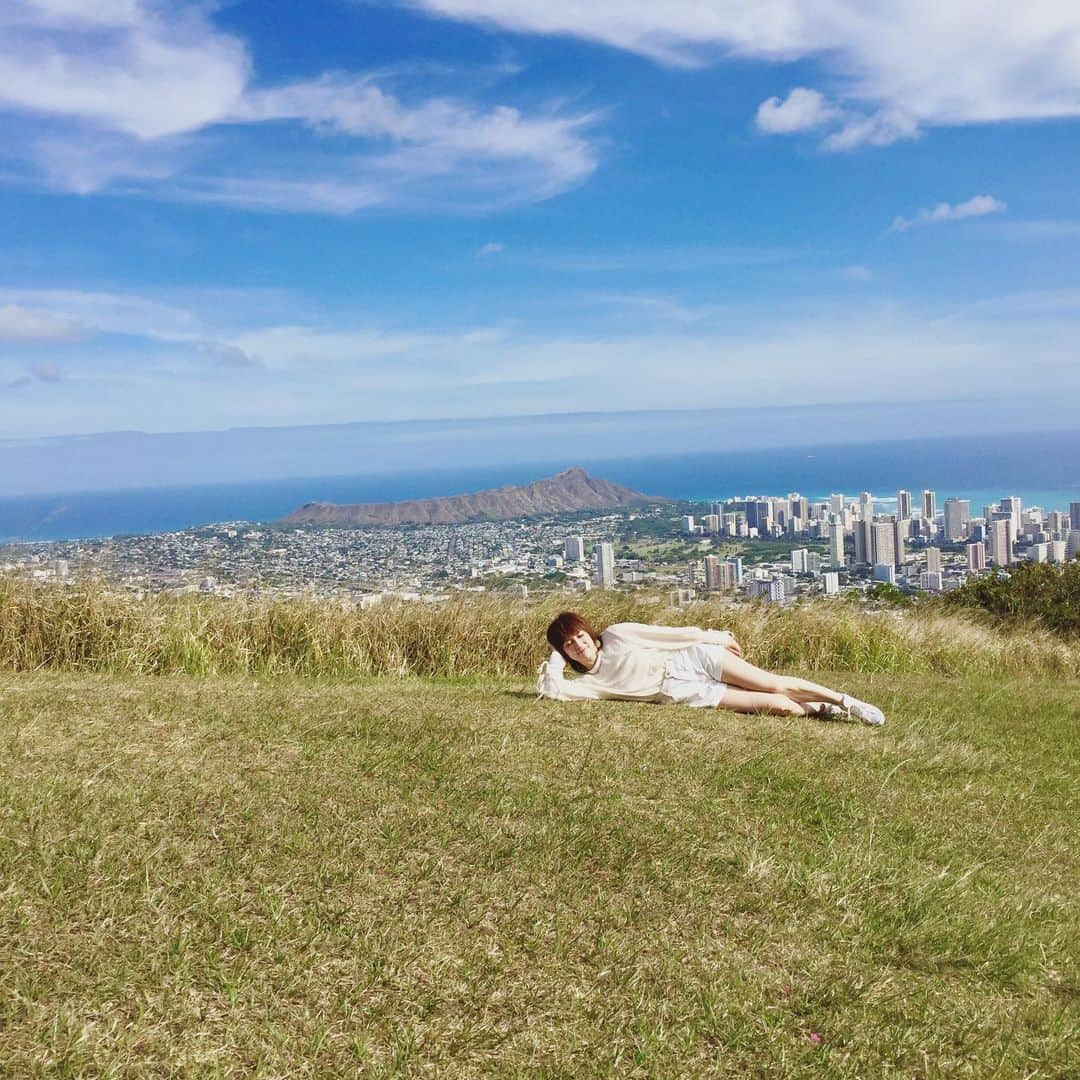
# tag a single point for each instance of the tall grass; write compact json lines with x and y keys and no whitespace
{"x":91,"y":629}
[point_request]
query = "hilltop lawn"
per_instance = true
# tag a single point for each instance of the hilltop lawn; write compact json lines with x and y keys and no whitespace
{"x":236,"y":877}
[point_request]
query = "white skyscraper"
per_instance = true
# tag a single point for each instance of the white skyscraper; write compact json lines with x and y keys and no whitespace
{"x":903,"y":504}
{"x":976,"y":556}
{"x":1001,"y":539}
{"x":836,"y":543}
{"x":574,"y":548}
{"x":688,"y":523}
{"x":798,"y":561}
{"x":933,"y":560}
{"x":831,"y":582}
{"x":883,"y":539}
{"x":836,"y":504}
{"x":1011,"y":505}
{"x":605,"y":565}
{"x":957,"y":516}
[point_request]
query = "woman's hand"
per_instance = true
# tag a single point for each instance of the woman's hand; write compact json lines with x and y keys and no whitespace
{"x":732,"y":644}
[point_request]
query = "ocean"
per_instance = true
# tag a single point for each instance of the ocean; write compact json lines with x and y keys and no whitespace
{"x":1043,"y":468}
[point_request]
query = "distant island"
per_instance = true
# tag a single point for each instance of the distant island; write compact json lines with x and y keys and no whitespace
{"x":566,"y":492}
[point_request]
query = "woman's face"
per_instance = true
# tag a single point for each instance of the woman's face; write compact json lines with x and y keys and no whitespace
{"x":581,"y":648}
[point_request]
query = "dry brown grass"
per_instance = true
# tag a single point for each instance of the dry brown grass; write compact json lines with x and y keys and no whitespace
{"x":91,"y":629}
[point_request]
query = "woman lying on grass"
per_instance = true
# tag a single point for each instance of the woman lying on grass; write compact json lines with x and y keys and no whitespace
{"x":682,"y":664}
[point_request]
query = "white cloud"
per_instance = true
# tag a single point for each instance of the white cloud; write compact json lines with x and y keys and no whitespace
{"x":112,"y":313}
{"x":124,"y":65}
{"x":977,"y":206}
{"x":801,"y":110}
{"x":486,"y":250}
{"x":142,"y":97}
{"x":894,"y":67}
{"x":26,"y":326}
{"x":882,"y":128}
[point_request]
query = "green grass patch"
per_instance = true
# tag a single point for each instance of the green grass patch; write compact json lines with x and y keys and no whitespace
{"x":405,"y":876}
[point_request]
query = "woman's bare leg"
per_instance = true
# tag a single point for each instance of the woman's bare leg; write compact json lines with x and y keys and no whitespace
{"x":740,"y":673}
{"x":749,"y":701}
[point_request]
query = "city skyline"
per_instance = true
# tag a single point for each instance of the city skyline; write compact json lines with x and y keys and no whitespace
{"x":219,"y":216}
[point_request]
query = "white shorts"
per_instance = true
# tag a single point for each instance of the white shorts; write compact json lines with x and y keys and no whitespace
{"x":692,"y":676}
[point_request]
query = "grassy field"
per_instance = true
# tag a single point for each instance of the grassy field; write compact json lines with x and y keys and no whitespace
{"x":399,"y":876}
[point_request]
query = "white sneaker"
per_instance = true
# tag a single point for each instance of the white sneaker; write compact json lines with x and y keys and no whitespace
{"x":864,"y":711}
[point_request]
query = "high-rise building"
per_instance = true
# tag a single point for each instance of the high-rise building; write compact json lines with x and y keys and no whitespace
{"x":1001,"y":539}
{"x":1074,"y":515}
{"x":688,"y":523}
{"x":901,"y":528}
{"x":883,"y":540}
{"x":1057,"y":550}
{"x":737,"y":569}
{"x":976,"y":556}
{"x":574,"y":548}
{"x":718,"y":575}
{"x":885,"y":572}
{"x":798,"y":561}
{"x":831,"y":581}
{"x":1012,"y":506}
{"x":1039,"y":552}
{"x":929,"y":504}
{"x":605,"y":565}
{"x":864,"y":542}
{"x":836,"y":543}
{"x":933,"y":560}
{"x":957,"y":516}
{"x":836,"y":504}
{"x":903,"y":504}
{"x":712,"y":523}
{"x":866,"y":505}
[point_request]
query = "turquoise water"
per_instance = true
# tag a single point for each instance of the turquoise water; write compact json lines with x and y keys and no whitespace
{"x":1042,"y":468}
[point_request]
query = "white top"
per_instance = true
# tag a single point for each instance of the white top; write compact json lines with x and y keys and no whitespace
{"x":630,"y":665}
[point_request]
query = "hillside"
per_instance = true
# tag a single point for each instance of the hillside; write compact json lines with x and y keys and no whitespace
{"x":565,"y":492}
{"x":415,"y":877}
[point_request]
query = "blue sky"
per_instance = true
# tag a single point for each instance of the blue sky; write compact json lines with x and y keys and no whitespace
{"x":283,"y":213}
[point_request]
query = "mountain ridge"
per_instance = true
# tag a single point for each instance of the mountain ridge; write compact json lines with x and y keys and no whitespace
{"x":566,"y":492}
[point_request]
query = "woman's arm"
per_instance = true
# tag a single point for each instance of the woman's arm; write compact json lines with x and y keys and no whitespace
{"x":551,"y":684}
{"x":672,"y":637}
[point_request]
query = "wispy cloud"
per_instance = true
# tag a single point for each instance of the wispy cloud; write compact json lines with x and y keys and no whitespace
{"x":143,"y":98}
{"x":28,"y":326}
{"x":487,"y":250}
{"x":1044,"y":229}
{"x":892,"y":69}
{"x":655,"y":259}
{"x":229,"y":356}
{"x":42,"y":372}
{"x":857,"y":272}
{"x":977,"y":206}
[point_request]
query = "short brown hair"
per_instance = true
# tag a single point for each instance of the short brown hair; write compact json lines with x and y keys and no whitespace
{"x":564,"y":626}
